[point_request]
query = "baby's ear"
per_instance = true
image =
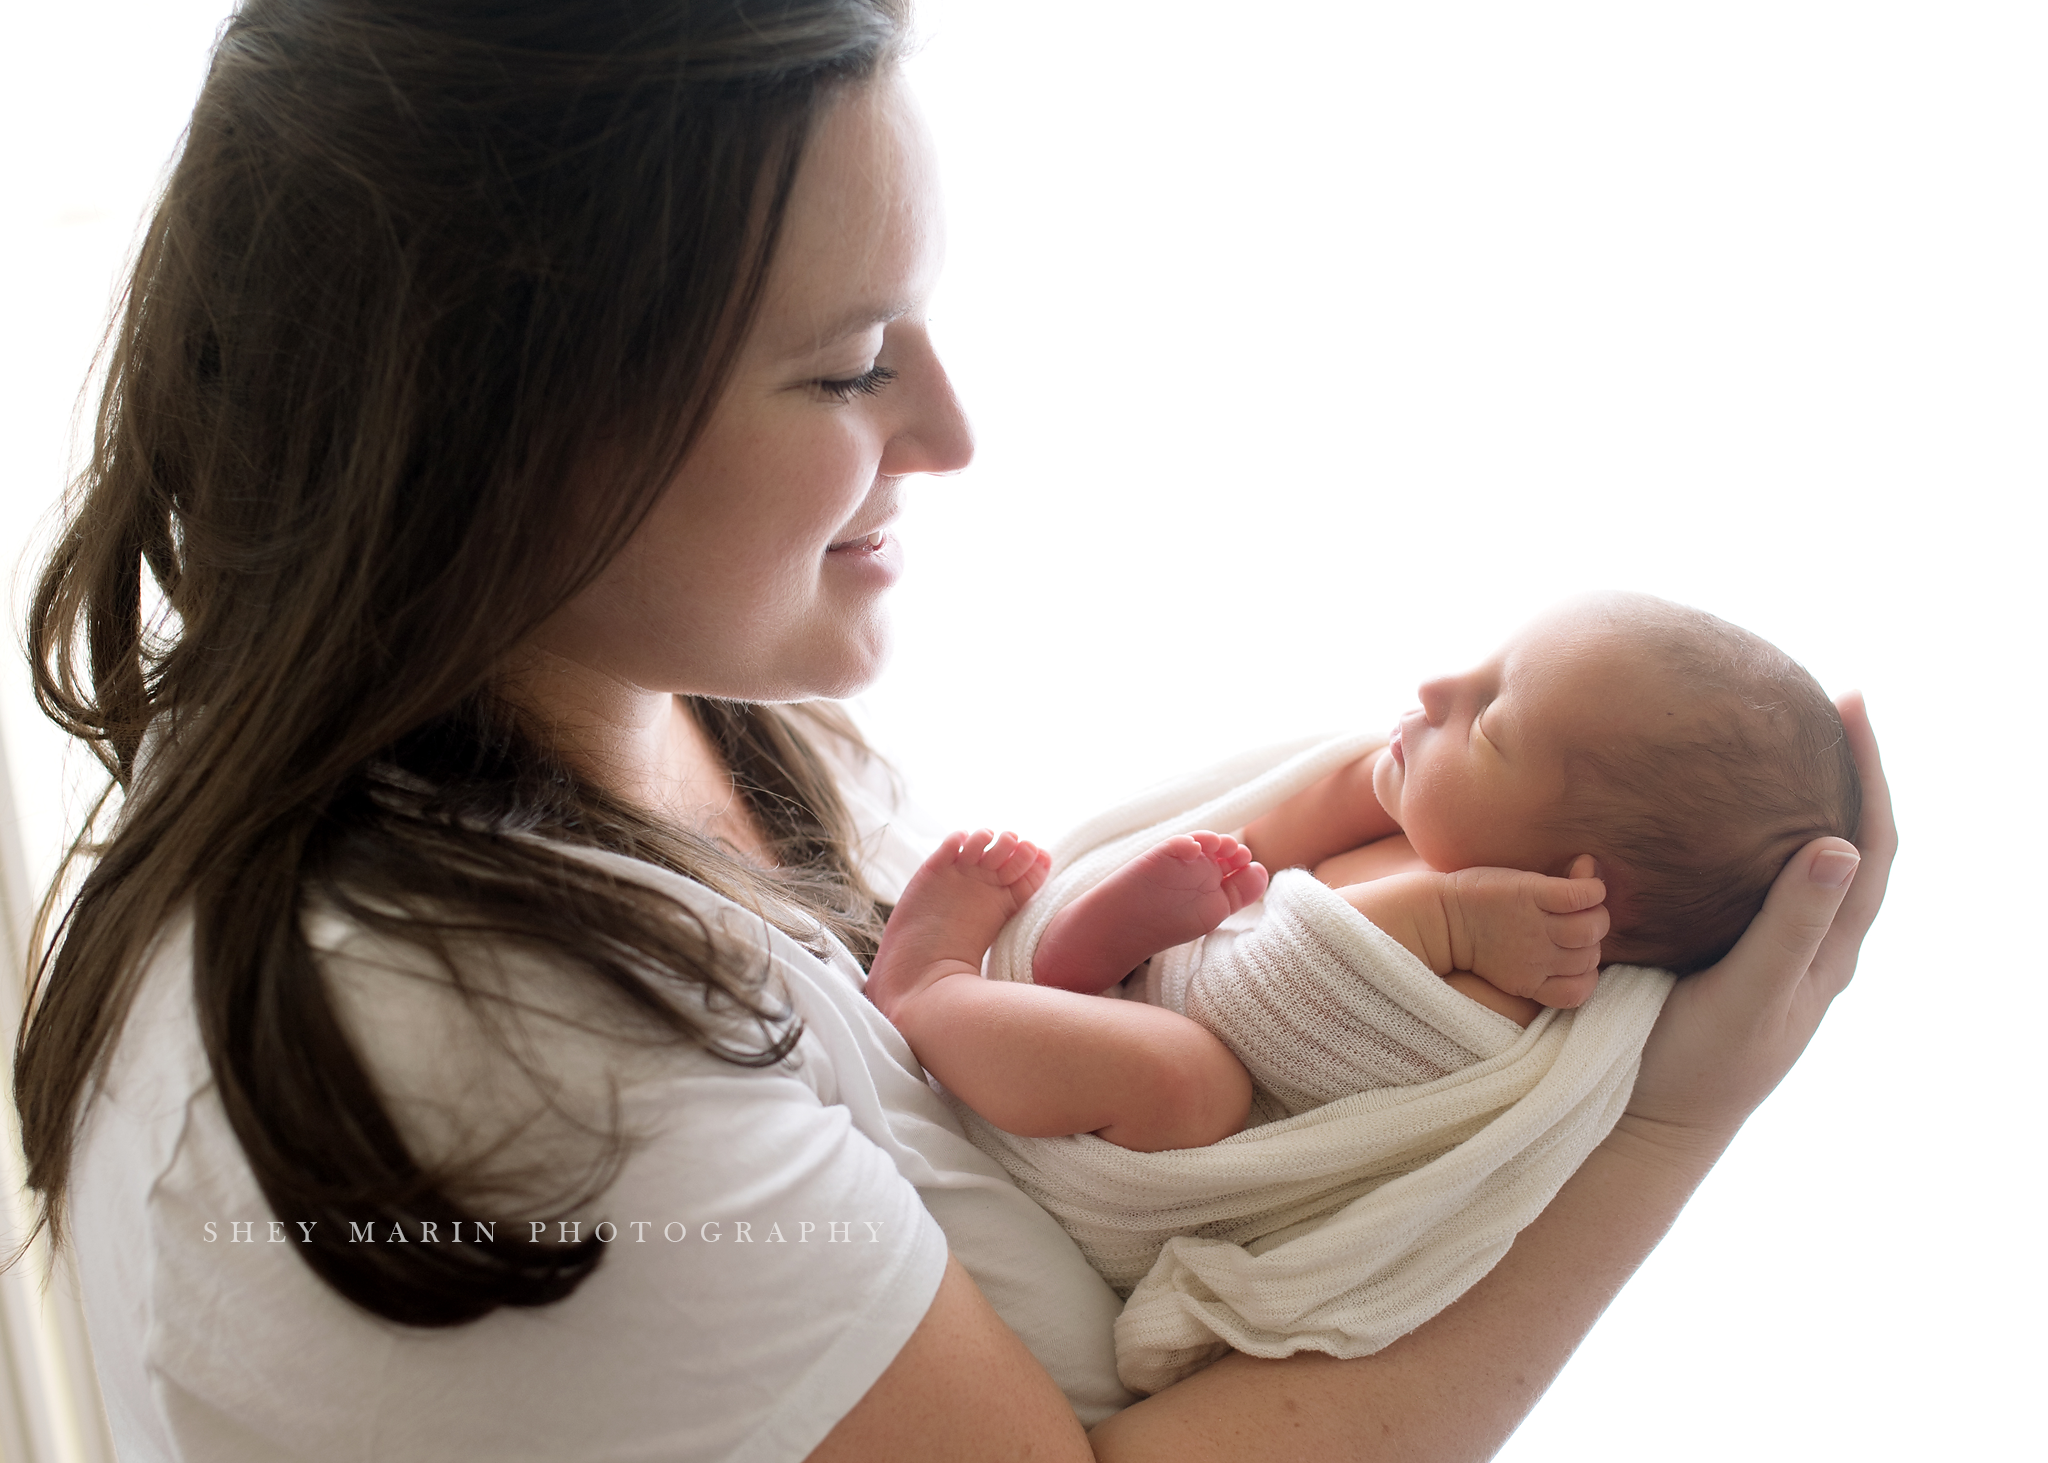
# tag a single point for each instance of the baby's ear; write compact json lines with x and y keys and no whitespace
{"x":1565,"y":864}
{"x":1623,"y":902}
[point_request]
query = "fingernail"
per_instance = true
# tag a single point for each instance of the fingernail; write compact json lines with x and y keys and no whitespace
{"x":1834,"y":868}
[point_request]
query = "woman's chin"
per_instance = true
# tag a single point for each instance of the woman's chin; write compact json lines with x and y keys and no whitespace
{"x":851,"y":668}
{"x":850,"y":685}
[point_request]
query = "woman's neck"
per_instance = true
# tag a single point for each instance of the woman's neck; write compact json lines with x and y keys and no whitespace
{"x":645,"y":747}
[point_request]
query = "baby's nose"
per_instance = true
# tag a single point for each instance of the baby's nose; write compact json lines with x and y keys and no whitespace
{"x":1438,"y":696}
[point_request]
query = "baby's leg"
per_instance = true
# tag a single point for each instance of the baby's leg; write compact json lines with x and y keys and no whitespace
{"x":1041,"y":1063}
{"x":1176,"y":892}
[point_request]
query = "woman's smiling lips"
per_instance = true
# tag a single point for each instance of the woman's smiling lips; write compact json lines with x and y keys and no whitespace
{"x":874,"y":555}
{"x":880,"y":511}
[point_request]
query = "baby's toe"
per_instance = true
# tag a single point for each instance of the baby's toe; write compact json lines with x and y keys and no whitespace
{"x":1022,"y":858}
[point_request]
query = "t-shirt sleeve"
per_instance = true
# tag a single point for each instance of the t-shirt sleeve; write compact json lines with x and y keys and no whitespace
{"x":764,"y":1262}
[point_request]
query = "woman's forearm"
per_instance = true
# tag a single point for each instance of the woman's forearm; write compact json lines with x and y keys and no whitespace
{"x":1458,"y":1386}
{"x":965,"y":1390}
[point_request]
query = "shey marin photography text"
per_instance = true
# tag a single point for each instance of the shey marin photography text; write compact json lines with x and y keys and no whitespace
{"x":564,"y":1231}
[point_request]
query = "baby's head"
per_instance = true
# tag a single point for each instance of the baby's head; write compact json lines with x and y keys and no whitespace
{"x":1690,"y":757}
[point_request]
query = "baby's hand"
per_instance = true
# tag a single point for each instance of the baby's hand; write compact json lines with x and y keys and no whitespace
{"x":1529,"y":934}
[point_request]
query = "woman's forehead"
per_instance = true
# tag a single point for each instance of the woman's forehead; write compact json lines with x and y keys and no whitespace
{"x":861,"y":238}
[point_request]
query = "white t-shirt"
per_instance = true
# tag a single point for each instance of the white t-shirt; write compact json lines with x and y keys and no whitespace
{"x":777,"y":1235}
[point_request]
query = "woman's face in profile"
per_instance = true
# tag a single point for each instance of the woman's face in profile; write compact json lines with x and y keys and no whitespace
{"x":760,"y":573}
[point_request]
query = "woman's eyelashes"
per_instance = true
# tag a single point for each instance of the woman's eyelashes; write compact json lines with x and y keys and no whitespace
{"x":867,"y":383}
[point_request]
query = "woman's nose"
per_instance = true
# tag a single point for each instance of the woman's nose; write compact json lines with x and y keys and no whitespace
{"x":935,"y":437}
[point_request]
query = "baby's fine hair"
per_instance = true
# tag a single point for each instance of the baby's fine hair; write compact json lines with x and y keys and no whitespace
{"x":1692,"y":828}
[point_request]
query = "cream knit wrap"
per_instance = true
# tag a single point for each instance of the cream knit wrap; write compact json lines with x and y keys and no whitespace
{"x":1402,"y":1134}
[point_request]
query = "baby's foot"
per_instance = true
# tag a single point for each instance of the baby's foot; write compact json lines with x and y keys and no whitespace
{"x":1184,"y":888}
{"x":951,"y":910}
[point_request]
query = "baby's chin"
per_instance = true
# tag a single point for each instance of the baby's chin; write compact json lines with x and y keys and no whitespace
{"x":1386,"y":786}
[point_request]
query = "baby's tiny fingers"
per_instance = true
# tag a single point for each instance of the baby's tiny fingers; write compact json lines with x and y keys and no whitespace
{"x":1563,"y":896}
{"x":1585,"y":961}
{"x":1568,"y":991}
{"x":1577,"y":931}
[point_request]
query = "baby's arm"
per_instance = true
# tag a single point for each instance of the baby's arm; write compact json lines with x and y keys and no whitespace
{"x":1036,"y":1061}
{"x":1528,"y":935}
{"x":1328,"y":817}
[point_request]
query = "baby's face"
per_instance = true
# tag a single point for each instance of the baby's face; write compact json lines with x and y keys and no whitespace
{"x":1474,"y":774}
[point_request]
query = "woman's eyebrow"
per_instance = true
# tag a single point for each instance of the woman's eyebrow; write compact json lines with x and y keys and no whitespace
{"x":852,"y":322}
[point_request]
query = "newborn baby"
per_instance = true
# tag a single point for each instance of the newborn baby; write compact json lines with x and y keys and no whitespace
{"x":1625,"y":778}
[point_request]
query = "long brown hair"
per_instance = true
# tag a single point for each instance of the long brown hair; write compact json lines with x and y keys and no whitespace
{"x":419,"y":263}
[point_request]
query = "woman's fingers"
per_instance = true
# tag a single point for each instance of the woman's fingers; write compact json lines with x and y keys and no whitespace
{"x":1878,"y":840}
{"x":1811,"y":929}
{"x":1728,"y":1035}
{"x":1780,"y":944}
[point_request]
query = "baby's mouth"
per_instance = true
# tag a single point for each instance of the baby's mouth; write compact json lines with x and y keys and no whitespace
{"x":1394,"y":746}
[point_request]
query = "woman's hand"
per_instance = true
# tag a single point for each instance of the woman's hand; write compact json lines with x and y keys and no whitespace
{"x":1729,"y":1034}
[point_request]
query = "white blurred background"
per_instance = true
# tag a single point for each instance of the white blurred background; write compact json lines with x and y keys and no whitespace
{"x":1311,"y":348}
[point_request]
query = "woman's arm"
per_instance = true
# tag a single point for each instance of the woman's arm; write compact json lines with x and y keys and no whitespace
{"x":964,"y":1387}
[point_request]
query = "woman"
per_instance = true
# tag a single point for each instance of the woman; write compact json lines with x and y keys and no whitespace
{"x":506,"y":424}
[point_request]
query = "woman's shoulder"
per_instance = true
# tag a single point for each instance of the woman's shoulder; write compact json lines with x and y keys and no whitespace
{"x":843,"y":1143}
{"x":464,"y":1034}
{"x":756,"y":1249}
{"x":483,"y":1043}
